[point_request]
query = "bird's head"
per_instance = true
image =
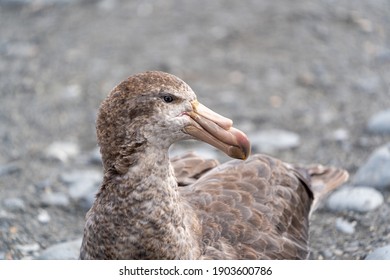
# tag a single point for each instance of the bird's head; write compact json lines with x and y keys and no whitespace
{"x":160,"y":109}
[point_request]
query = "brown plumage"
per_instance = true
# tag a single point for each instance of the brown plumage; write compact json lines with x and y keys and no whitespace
{"x":151,"y":207}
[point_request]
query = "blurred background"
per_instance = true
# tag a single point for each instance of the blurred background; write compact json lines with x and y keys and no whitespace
{"x":308,"y":81}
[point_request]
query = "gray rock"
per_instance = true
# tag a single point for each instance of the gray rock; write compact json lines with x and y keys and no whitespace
{"x":95,"y":156}
{"x":380,"y":123}
{"x":20,"y":49}
{"x":14,"y":204}
{"x":375,"y":172}
{"x":62,"y":251}
{"x":28,"y":248}
{"x":369,"y":85}
{"x":360,"y":199}
{"x":9,"y":168}
{"x":62,"y":151}
{"x":345,"y":226}
{"x":274,"y":139}
{"x":82,"y":182}
{"x":55,"y":199}
{"x":382,"y":253}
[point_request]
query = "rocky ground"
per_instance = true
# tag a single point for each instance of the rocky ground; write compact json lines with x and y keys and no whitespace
{"x":312,"y":75}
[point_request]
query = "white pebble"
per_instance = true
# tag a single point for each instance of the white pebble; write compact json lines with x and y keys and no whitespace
{"x":274,"y":139}
{"x":360,"y":199}
{"x":382,"y":253}
{"x":345,"y":226}
{"x":43,"y":216}
{"x":62,"y":151}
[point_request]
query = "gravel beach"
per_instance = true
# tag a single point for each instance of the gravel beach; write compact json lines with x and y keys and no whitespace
{"x":308,"y":81}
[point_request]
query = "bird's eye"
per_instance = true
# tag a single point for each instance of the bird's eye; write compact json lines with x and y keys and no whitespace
{"x":168,"y":98}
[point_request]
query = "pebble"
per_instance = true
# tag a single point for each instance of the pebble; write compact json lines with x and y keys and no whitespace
{"x":380,"y":123}
{"x":360,"y":199}
{"x":55,"y":199}
{"x":339,"y":135}
{"x":44,"y":184}
{"x":43,"y":216}
{"x":95,"y":156}
{"x":375,"y":172}
{"x":274,"y":139}
{"x":382,"y":253}
{"x":28,"y":248}
{"x":6,"y":169}
{"x":345,"y":226}
{"x":368,"y":85}
{"x":82,"y":183}
{"x":62,"y":151}
{"x":21,"y":49}
{"x":62,"y":251}
{"x":14,"y":204}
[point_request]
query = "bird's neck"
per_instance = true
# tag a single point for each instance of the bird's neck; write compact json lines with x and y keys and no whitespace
{"x":156,"y":220}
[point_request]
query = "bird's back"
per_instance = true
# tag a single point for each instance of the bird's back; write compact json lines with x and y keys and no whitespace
{"x":253,"y":209}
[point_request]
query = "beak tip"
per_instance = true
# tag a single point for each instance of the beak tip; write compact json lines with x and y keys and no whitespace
{"x":244,"y":144}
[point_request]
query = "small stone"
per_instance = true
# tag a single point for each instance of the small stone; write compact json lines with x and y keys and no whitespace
{"x":82,"y":182}
{"x":338,"y":252}
{"x":9,"y":168}
{"x":382,"y":253}
{"x":72,"y":92}
{"x":327,"y":254}
{"x":21,"y":49}
{"x":306,"y":79}
{"x":95,"y":156}
{"x":274,"y":139}
{"x":352,"y":247}
{"x":14,"y":204}
{"x":28,"y":248}
{"x":340,"y":135}
{"x":44,"y":184}
{"x":62,"y":251}
{"x":43,"y":216}
{"x":62,"y":151}
{"x":368,"y":85}
{"x":55,"y":199}
{"x":380,"y":123}
{"x":345,"y":226}
{"x":375,"y":172}
{"x":360,"y":199}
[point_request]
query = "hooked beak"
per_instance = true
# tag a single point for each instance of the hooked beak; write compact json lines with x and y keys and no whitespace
{"x":216,"y":130}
